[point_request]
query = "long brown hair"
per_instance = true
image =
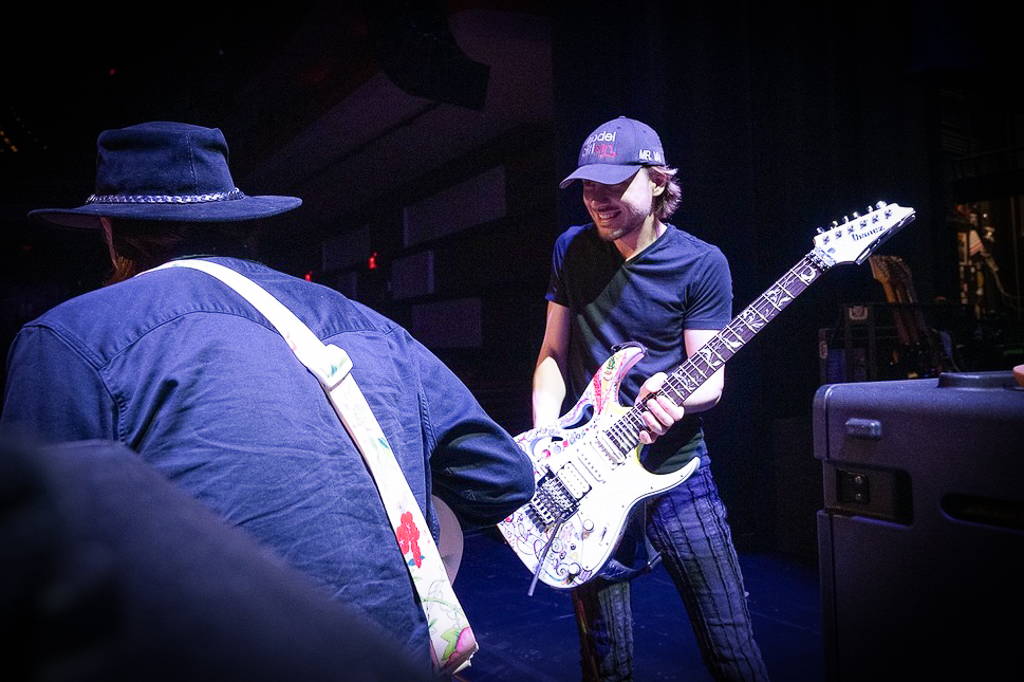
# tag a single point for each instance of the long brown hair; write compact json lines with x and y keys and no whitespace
{"x":138,"y":245}
{"x":666,"y":203}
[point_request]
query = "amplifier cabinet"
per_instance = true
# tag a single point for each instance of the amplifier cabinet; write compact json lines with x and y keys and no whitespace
{"x":921,"y":541}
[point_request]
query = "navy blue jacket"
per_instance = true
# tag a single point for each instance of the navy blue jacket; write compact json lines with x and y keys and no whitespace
{"x":186,"y":373}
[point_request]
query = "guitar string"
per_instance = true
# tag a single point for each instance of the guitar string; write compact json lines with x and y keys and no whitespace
{"x":625,"y":431}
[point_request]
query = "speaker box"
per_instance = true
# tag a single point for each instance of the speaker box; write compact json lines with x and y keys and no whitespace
{"x":921,"y":538}
{"x":415,"y":48}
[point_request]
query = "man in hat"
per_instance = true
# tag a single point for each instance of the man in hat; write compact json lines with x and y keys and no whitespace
{"x":186,"y":373}
{"x":630,"y":276}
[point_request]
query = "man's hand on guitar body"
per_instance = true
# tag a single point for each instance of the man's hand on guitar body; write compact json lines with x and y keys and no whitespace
{"x":661,"y":412}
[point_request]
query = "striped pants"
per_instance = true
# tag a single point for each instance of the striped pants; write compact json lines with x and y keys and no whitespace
{"x":688,"y":527}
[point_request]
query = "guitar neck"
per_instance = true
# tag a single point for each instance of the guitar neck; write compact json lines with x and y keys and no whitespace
{"x":699,"y":367}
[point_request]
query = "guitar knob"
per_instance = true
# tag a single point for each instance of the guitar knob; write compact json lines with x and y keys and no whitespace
{"x":574,"y":569}
{"x":588,"y":526}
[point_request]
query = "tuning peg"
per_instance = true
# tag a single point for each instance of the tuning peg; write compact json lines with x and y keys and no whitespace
{"x":881,"y":204}
{"x":856,"y":215}
{"x":821,"y":230}
{"x":835,"y":223}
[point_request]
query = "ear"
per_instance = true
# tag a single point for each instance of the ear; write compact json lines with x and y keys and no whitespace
{"x":657,"y":179}
{"x":657,"y":183}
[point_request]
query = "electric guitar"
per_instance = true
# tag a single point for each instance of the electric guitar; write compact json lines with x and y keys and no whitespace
{"x":450,"y":540}
{"x":587,"y":468}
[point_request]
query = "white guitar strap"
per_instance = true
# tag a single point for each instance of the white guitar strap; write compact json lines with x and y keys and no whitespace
{"x":451,"y":638}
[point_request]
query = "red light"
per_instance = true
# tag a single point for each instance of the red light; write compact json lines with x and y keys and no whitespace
{"x":372,"y":264}
{"x":309,"y":275}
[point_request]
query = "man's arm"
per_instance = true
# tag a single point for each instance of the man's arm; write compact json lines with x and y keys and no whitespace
{"x":549,"y":381}
{"x":475,"y":465}
{"x":549,"y":373}
{"x":662,"y":413}
{"x":53,"y":393}
{"x":710,"y":392}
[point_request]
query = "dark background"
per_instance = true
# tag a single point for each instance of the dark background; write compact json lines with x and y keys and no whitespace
{"x":427,"y":139}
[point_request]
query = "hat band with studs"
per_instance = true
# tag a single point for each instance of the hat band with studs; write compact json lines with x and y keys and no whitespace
{"x":165,"y":199}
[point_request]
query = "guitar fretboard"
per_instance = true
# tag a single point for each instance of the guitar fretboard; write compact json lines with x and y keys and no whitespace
{"x":698,"y":368}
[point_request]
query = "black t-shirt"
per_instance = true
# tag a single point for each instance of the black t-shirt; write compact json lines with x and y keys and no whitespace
{"x":677,"y":283}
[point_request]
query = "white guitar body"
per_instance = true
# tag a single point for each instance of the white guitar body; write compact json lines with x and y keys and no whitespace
{"x":587,"y":466}
{"x":608,"y":486}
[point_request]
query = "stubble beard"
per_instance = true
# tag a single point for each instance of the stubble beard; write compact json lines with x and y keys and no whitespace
{"x":626,"y":223}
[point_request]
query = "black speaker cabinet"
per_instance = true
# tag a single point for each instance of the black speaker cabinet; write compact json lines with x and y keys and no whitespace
{"x":921,"y":541}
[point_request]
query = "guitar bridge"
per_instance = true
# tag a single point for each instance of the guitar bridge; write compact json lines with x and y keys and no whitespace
{"x":558,"y":496}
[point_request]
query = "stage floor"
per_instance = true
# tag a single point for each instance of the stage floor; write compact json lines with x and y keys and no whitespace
{"x":533,"y":639}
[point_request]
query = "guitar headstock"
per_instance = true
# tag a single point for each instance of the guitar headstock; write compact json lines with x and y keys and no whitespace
{"x":853,"y":240}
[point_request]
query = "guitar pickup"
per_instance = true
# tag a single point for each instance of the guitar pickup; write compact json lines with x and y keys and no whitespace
{"x":573,"y":481}
{"x":594,"y":465}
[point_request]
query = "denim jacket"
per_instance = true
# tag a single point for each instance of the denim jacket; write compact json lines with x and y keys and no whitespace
{"x":186,"y":373}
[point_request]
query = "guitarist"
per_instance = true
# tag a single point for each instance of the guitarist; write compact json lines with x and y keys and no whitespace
{"x":629,"y":276}
{"x":188,"y":375}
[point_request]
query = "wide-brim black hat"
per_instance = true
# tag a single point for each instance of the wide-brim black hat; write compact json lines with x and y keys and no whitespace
{"x":166,"y":172}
